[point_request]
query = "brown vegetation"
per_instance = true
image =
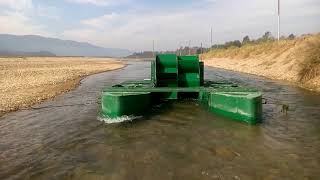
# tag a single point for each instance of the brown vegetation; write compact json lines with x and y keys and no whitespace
{"x":26,"y":81}
{"x":296,"y":60}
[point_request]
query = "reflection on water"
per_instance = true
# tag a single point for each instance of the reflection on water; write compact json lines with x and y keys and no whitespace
{"x":62,"y":139}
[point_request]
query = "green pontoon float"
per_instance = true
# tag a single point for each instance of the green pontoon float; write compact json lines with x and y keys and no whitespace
{"x":176,"y":77}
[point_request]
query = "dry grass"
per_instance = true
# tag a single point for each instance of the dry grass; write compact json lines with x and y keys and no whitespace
{"x":254,"y":50}
{"x":295,"y":60}
{"x":311,"y":65}
{"x":26,"y":81}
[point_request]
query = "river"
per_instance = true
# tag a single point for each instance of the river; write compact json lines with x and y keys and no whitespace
{"x":63,"y":138}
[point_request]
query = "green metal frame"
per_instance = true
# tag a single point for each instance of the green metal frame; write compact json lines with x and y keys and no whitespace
{"x":172,"y":77}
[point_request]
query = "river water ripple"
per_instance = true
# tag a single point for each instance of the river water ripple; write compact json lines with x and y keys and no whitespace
{"x":63,"y":138}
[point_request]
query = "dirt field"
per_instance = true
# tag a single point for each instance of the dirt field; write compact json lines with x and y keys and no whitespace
{"x":297,"y":61}
{"x":27,"y":81}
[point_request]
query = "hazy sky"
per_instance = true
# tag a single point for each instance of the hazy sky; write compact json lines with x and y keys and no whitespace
{"x":133,"y":24}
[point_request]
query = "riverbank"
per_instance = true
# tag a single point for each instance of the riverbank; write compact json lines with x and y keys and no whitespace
{"x":296,"y":61}
{"x":31,"y":80}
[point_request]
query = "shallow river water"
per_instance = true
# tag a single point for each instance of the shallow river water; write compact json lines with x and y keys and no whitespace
{"x":63,"y":138}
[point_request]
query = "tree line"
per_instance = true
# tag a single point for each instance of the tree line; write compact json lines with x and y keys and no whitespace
{"x":266,"y":37}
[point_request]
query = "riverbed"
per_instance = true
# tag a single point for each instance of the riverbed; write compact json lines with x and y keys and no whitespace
{"x":25,"y":81}
{"x":65,"y":139}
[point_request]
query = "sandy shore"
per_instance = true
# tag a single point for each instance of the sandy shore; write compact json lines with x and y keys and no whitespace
{"x":27,"y":81}
{"x":296,"y":61}
{"x":278,"y":70}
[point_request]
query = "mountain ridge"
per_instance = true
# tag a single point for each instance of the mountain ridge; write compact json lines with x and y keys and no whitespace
{"x":59,"y":47}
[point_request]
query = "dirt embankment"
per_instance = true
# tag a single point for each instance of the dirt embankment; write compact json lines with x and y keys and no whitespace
{"x":27,"y":81}
{"x":297,"y":60}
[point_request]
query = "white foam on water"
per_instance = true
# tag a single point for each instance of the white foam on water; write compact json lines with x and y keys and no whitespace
{"x":121,"y":119}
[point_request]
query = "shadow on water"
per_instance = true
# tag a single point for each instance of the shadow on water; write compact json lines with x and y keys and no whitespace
{"x":62,"y":138}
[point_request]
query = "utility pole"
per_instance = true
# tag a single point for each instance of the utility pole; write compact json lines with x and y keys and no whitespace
{"x":180,"y":47}
{"x":189,"y":47}
{"x":211,"y":44}
{"x":153,"y":49}
{"x":279,"y":20}
{"x":201,"y":51}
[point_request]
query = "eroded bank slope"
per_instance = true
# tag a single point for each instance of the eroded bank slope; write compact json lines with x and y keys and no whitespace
{"x":27,"y":81}
{"x":297,"y":60}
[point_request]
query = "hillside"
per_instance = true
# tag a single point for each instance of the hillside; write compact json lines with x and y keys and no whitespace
{"x":31,"y":44}
{"x":20,"y":53}
{"x":296,"y":60}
